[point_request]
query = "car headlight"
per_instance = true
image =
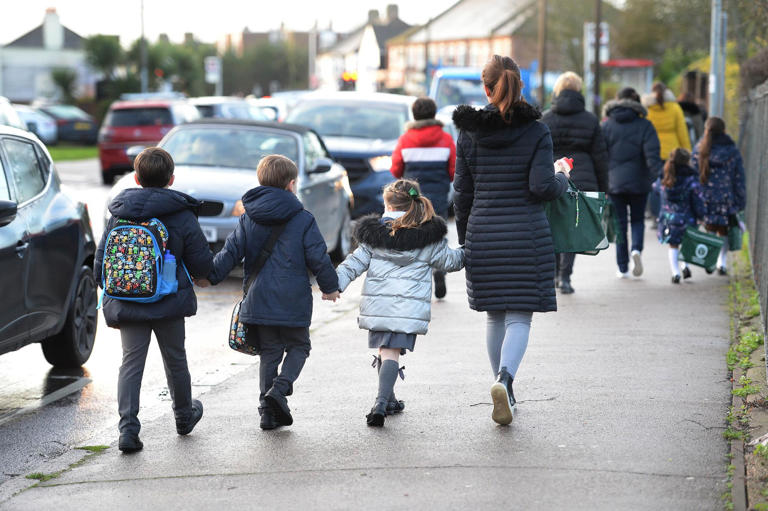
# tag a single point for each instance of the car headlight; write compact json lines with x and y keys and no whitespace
{"x":381,"y":163}
{"x":239,"y":209}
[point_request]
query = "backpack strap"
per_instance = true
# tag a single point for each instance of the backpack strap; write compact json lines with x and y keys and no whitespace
{"x":266,"y":251}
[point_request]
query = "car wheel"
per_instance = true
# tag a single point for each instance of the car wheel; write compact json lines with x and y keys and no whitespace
{"x":107,"y":177}
{"x":345,"y":243}
{"x":73,"y":345}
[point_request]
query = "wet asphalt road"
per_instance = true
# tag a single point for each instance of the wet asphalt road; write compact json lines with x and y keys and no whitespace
{"x":45,"y":412}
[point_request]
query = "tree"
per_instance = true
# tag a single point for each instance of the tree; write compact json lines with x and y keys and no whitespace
{"x":64,"y":79}
{"x":104,"y":53}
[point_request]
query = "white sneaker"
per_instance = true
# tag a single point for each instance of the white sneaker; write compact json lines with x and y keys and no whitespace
{"x":622,"y":274}
{"x":637,"y":263}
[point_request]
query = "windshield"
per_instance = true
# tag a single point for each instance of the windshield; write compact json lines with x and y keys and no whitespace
{"x":460,"y":91}
{"x":68,"y":112}
{"x":140,"y":117}
{"x":228,"y":147}
{"x":352,"y":119}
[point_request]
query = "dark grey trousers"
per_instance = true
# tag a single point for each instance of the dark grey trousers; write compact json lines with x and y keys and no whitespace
{"x":135,"y":338}
{"x":279,"y":344}
{"x":564,"y":265}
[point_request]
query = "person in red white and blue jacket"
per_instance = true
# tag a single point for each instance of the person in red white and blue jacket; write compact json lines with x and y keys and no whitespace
{"x":427,"y":154}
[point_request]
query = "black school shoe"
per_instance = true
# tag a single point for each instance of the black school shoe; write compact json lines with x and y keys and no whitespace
{"x":566,"y":288}
{"x":185,"y":427}
{"x":686,"y":273}
{"x":440,"y":289}
{"x":503,"y":398}
{"x":279,"y":406}
{"x":675,"y":279}
{"x":129,"y":443}
{"x":268,"y":421}
{"x":376,"y":417}
{"x":722,"y":271}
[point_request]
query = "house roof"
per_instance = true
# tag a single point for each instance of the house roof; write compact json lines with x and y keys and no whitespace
{"x":34,"y":39}
{"x":473,"y":19}
{"x":383,"y":32}
{"x":388,"y":31}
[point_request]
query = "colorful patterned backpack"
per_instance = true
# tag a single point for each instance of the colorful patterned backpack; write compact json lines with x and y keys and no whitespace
{"x":134,"y":262}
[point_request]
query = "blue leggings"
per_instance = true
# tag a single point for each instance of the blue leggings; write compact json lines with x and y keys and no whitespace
{"x":507,"y":338}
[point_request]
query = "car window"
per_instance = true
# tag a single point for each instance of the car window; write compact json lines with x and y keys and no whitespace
{"x":460,"y":91}
{"x":5,"y":194}
{"x":239,"y":110}
{"x":205,"y":110}
{"x":358,"y":119}
{"x":313,"y":149}
{"x":25,"y":169}
{"x":228,"y":147}
{"x":140,"y":117}
{"x":67,"y":112}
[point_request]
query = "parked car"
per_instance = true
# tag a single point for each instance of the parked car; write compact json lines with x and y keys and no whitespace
{"x":360,"y":131}
{"x":74,"y":125}
{"x":9,"y":116}
{"x":216,"y":162}
{"x":129,"y":123}
{"x":46,"y":257}
{"x":453,"y":86}
{"x":225,"y":107}
{"x":39,"y":123}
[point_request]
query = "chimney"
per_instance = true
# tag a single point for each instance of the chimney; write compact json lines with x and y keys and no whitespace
{"x":53,"y":32}
{"x":391,"y":13}
{"x":373,"y":16}
{"x":163,"y":38}
{"x":189,"y":38}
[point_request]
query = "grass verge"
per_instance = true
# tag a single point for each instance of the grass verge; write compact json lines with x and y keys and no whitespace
{"x":63,"y":152}
{"x":747,"y":419}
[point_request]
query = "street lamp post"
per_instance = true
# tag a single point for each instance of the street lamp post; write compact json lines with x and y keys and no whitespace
{"x":143,"y":73}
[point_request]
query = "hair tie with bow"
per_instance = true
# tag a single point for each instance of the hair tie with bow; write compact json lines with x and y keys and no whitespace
{"x":414,"y":193}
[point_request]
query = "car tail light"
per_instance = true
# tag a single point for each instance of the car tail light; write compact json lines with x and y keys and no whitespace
{"x":61,"y":122}
{"x":106,"y":134}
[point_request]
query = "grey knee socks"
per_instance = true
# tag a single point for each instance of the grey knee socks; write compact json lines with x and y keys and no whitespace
{"x":387,"y":377}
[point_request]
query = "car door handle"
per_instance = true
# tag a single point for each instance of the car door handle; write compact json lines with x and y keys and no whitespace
{"x":21,"y":247}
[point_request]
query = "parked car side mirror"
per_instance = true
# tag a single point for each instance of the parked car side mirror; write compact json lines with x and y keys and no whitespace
{"x":133,"y":151}
{"x":7,"y":212}
{"x":321,"y":165}
{"x":32,"y":126}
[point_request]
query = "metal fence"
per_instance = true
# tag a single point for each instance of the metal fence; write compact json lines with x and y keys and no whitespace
{"x":753,"y":142}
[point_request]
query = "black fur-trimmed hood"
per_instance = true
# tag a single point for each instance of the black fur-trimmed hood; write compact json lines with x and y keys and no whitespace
{"x":372,"y":231}
{"x":468,"y":118}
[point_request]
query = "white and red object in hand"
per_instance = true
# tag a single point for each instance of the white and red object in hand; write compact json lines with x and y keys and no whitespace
{"x":564,"y":165}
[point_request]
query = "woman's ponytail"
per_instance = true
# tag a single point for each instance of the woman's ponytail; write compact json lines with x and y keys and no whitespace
{"x":501,"y":76}
{"x":659,"y":88}
{"x":678,"y":157}
{"x":405,"y":195}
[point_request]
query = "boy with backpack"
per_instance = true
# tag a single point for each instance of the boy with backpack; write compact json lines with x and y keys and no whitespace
{"x":150,"y":246}
{"x":277,"y":231}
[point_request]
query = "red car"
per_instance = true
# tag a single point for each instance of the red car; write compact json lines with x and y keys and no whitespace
{"x":141,"y":122}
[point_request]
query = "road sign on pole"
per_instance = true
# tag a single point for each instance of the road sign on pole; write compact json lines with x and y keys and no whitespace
{"x":213,"y":72}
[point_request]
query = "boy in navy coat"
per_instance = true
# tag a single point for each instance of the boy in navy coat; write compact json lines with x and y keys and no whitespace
{"x":278,"y":306}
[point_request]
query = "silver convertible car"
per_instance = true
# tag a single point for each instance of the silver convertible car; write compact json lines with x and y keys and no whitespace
{"x":216,"y":162}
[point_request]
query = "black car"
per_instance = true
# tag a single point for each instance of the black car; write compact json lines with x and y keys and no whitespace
{"x":74,"y":124}
{"x":46,"y":257}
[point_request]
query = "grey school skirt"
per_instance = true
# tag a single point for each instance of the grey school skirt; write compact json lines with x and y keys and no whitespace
{"x":394,"y":340}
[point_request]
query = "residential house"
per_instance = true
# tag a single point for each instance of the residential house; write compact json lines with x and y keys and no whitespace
{"x":27,"y":62}
{"x":360,"y":60}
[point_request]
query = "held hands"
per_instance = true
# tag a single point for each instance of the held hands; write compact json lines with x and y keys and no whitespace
{"x":564,"y":165}
{"x":332,"y":296}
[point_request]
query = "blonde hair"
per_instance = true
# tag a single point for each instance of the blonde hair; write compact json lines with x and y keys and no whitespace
{"x":276,"y":170}
{"x":405,"y":195}
{"x":567,"y":81}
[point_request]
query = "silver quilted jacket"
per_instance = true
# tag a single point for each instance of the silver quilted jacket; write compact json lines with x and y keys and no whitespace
{"x":397,"y":294}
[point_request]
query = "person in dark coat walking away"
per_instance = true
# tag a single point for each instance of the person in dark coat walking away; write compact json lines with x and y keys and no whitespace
{"x":681,"y":207}
{"x":504,"y":172}
{"x":721,"y":174}
{"x":397,"y":252}
{"x":694,"y":115}
{"x":576,"y":134}
{"x":633,"y":165}
{"x":427,"y":154}
{"x":278,"y":306}
{"x":137,"y":321}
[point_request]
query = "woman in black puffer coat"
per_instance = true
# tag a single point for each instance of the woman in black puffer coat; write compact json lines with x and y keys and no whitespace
{"x":504,"y":171}
{"x":576,"y":134}
{"x":633,"y":165}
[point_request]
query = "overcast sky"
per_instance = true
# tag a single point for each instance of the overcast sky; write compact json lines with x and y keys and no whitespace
{"x":207,"y":19}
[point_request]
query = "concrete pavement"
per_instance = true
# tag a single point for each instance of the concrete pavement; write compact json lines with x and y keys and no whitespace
{"x":622,"y":399}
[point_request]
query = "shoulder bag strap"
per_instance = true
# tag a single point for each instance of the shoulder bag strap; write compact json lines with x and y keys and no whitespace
{"x":266,"y":251}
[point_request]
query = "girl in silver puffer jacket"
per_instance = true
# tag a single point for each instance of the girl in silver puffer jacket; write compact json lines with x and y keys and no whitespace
{"x":399,"y":250}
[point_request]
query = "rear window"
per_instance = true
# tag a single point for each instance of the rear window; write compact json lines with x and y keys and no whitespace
{"x":140,"y":117}
{"x":67,"y":112}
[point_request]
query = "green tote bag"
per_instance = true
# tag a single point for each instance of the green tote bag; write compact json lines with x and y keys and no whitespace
{"x":576,"y":221}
